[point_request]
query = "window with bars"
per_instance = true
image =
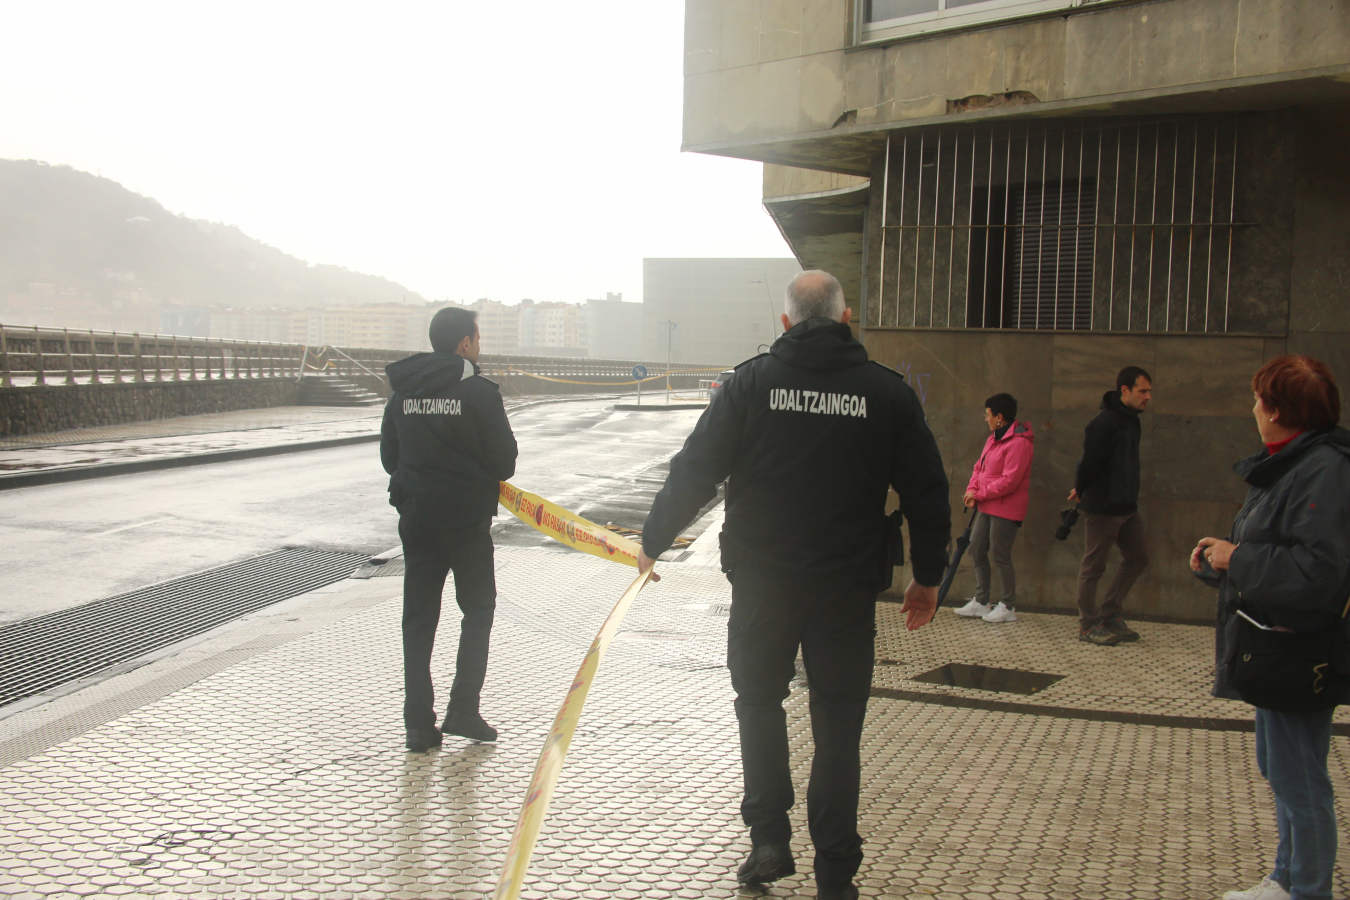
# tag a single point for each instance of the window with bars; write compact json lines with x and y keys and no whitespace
{"x":1123,"y":226}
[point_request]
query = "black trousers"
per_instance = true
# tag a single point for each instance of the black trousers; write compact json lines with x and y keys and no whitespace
{"x":835,"y":627}
{"x":430,"y":551}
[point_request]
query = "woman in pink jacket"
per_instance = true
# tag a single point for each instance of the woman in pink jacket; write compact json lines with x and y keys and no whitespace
{"x":998,"y":491}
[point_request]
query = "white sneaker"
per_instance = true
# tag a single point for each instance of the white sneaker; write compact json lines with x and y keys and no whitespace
{"x":1000,"y":613}
{"x":974,"y":609}
{"x":1268,"y":889}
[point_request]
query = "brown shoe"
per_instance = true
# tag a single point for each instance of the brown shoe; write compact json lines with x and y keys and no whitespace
{"x":1098,"y":634}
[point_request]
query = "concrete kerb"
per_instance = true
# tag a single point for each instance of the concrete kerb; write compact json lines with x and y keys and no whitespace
{"x":79,"y":473}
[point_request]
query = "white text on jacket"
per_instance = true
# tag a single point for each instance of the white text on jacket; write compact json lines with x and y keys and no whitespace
{"x":819,"y":402}
{"x":432,"y":406}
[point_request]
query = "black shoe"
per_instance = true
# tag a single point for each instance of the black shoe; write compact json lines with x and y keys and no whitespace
{"x":1118,"y":627}
{"x":469,"y":725}
{"x":842,"y":892}
{"x":1098,"y":634}
{"x":767,"y":862}
{"x":420,"y":740}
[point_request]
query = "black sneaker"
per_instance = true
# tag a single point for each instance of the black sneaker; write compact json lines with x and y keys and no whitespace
{"x":767,"y":862}
{"x":842,"y":892}
{"x":469,"y":725}
{"x":1117,"y":626}
{"x":1098,"y":634}
{"x":420,"y":740}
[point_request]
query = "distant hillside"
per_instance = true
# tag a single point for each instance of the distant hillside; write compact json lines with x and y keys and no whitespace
{"x":77,"y":250}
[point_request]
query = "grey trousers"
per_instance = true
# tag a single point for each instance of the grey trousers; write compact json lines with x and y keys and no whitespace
{"x":994,"y":536}
{"x":1099,"y":533}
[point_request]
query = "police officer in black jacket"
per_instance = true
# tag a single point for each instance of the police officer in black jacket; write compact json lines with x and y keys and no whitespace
{"x":445,"y":443}
{"x":809,"y":437}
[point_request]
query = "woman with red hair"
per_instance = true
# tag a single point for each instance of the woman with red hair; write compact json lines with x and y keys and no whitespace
{"x":1283,"y":577}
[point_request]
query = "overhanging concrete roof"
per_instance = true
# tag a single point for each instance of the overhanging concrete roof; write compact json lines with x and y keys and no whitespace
{"x":825,"y":231}
{"x":850,"y":149}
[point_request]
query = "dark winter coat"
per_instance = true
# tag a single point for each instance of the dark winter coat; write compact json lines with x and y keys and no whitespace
{"x":809,"y":437}
{"x":445,"y":440}
{"x":1108,"y":474}
{"x":1291,"y":567}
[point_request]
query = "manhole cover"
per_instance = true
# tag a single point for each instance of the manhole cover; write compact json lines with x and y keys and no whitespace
{"x":988,"y":678}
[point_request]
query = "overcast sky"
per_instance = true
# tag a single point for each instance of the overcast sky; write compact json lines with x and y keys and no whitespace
{"x":464,"y":149}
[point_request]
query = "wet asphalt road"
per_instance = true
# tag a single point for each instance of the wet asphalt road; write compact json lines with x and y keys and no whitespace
{"x":68,"y":544}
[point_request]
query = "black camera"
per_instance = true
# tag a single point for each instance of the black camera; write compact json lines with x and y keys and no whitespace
{"x":1068,"y":517}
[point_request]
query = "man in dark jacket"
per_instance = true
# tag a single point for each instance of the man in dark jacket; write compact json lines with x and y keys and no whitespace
{"x":445,"y":443}
{"x":809,"y":437}
{"x":1107,"y":491}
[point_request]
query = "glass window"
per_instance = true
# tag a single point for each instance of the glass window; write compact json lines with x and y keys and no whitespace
{"x":886,"y":19}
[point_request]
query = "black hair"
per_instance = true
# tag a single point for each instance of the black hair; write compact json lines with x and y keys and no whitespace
{"x":1127,"y":376}
{"x":1004,"y":405}
{"x":450,"y":326}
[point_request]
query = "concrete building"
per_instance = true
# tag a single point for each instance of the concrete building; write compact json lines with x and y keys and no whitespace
{"x":498,"y":326}
{"x":613,"y":328}
{"x":552,"y":329}
{"x":393,"y":326}
{"x":714,"y":311}
{"x":1026,"y":195}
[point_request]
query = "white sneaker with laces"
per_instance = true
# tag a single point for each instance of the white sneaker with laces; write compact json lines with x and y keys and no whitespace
{"x":1000,"y":613}
{"x":1268,"y":889}
{"x":974,"y":609}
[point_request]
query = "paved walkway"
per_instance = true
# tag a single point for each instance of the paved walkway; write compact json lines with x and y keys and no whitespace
{"x":265,"y":759}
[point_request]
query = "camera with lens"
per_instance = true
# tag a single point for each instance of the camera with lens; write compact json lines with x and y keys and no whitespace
{"x":1067,"y":518}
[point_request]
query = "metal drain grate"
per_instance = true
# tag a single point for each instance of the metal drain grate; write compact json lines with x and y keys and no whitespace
{"x":44,"y":652}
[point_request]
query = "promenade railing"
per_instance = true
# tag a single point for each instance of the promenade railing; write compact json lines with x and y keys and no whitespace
{"x":35,"y":355}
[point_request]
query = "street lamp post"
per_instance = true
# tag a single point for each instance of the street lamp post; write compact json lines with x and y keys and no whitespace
{"x":670,"y":333}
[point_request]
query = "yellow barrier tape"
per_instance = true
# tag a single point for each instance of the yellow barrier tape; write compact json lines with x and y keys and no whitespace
{"x":574,"y":531}
{"x":567,"y":527}
{"x":555,"y":750}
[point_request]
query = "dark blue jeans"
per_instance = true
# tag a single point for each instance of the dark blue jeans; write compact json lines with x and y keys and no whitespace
{"x":835,"y":627}
{"x":1291,"y":752}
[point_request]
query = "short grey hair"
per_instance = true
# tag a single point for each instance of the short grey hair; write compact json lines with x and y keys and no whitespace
{"x":814,"y":294}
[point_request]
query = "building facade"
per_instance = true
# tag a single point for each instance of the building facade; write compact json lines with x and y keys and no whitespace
{"x":1027,"y":195}
{"x":713,"y":311}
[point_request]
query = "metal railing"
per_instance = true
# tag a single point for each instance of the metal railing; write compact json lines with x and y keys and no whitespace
{"x":1114,"y":226}
{"x":34,"y":356}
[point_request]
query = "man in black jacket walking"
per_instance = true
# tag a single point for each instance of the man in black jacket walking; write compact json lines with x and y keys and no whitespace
{"x":809,"y":437}
{"x":1106,"y":488}
{"x":446,"y":443}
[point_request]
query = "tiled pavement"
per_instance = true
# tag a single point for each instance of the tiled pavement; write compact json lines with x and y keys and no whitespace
{"x":267,"y":761}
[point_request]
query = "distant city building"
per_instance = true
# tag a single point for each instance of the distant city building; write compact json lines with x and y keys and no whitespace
{"x":392,"y":326}
{"x":714,"y":311}
{"x":552,"y":329}
{"x":498,"y":326}
{"x":613,"y":328}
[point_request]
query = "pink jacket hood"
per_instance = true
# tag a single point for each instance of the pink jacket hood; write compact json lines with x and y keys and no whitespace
{"x":1001,"y":480}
